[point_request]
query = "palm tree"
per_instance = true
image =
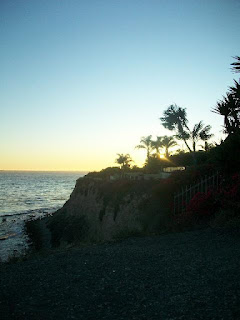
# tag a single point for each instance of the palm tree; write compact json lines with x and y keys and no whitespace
{"x":146,"y":143}
{"x":235,"y":91}
{"x":207,"y":146}
{"x":156,"y":145}
{"x":175,"y":118}
{"x":200,"y":132}
{"x":123,"y":160}
{"x":222,"y":108}
{"x":168,"y":142}
{"x":229,"y":107}
{"x":236,"y":65}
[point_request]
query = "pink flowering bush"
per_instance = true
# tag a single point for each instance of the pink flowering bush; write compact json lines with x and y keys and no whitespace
{"x":202,"y":204}
{"x":205,"y":206}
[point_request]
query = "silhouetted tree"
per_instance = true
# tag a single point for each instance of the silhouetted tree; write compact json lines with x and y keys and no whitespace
{"x":198,"y":133}
{"x":157,"y":145}
{"x":175,"y":119}
{"x":163,"y":142}
{"x":208,"y":146}
{"x":167,"y":143}
{"x":123,"y":160}
{"x":223,"y":109}
{"x":146,"y":143}
{"x":229,"y":107}
{"x":236,"y":65}
{"x":235,"y":91}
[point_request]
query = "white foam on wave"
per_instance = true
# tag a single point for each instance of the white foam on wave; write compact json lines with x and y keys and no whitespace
{"x":13,"y":239}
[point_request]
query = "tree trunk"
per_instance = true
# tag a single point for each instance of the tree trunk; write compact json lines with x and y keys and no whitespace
{"x":190,"y":150}
{"x":194,"y":146}
{"x":166,"y":153}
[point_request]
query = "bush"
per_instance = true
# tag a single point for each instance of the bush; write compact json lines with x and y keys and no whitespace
{"x":223,"y":156}
{"x":67,"y":228}
{"x":34,"y":233}
{"x":222,"y":204}
{"x":202,"y":205}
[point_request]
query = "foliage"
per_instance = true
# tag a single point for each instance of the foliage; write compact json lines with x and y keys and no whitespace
{"x":163,"y":142}
{"x":33,"y":230}
{"x":64,"y":228}
{"x":186,"y":159}
{"x":175,"y":119}
{"x":224,"y":155}
{"x":104,"y":173}
{"x":229,"y":106}
{"x":165,"y":189}
{"x":204,"y":207}
{"x":200,"y":132}
{"x":235,"y":90}
{"x":155,"y":164}
{"x":156,"y":145}
{"x":146,"y":143}
{"x":136,"y":169}
{"x":124,"y":160}
{"x":202,"y":204}
{"x":236,"y":65}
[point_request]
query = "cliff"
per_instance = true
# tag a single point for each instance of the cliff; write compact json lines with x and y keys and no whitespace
{"x":104,"y":210}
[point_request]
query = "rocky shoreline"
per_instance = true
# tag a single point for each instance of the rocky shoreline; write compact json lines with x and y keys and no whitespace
{"x":14,"y":241}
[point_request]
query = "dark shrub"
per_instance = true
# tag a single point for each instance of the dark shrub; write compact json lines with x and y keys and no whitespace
{"x":33,"y":231}
{"x":67,"y":228}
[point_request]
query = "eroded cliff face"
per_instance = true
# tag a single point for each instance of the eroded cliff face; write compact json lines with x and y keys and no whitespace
{"x":106,"y":210}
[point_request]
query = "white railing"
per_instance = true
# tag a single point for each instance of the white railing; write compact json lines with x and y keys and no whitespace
{"x":183,"y":197}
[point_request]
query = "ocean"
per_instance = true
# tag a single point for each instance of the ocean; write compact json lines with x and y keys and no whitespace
{"x":25,"y":195}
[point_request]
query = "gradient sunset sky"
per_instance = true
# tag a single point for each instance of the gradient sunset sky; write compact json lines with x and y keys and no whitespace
{"x":84,"y":80}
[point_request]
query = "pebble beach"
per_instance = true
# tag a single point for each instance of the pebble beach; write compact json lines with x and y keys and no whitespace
{"x":189,"y":275}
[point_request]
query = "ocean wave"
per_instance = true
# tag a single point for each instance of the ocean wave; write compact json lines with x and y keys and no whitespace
{"x":31,"y":211}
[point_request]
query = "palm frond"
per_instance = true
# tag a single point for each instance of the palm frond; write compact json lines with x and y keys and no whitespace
{"x":236,"y":65}
{"x":235,"y":91}
{"x":183,"y":136}
{"x":140,"y":146}
{"x":174,"y":117}
{"x":196,"y":129}
{"x":205,"y":133}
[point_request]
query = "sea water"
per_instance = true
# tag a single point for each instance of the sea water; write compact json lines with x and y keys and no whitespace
{"x":25,"y":195}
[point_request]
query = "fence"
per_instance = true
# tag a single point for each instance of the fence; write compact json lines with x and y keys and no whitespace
{"x":182,"y":198}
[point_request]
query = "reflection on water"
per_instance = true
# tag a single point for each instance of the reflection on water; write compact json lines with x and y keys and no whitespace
{"x":25,"y":195}
{"x":22,"y":192}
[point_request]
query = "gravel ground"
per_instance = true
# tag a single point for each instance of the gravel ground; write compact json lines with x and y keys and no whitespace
{"x":191,"y":275}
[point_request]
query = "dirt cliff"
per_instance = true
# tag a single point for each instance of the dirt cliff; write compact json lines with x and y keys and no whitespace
{"x":104,"y":210}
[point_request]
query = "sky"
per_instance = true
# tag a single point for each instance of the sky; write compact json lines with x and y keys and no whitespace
{"x":81,"y":81}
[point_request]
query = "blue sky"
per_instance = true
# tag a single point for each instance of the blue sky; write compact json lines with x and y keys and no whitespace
{"x":84,"y":80}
